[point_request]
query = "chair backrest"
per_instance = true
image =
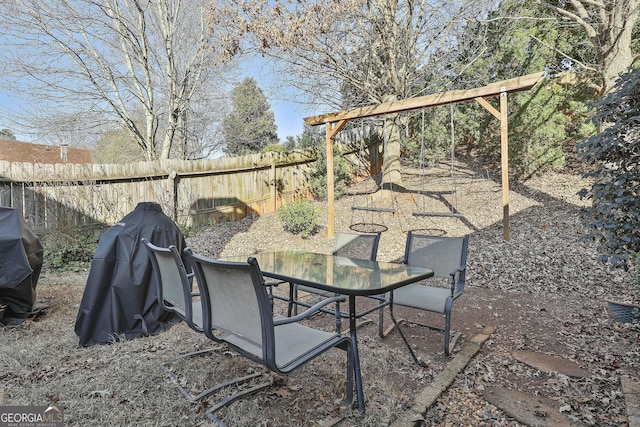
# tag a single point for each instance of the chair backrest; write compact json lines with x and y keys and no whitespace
{"x":174,"y":290}
{"x":235,"y":301}
{"x":355,"y":245}
{"x":446,"y":256}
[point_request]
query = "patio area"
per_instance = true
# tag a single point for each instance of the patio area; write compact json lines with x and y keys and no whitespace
{"x":541,"y":292}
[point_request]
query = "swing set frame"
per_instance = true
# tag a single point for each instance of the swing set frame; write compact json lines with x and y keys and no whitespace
{"x":336,"y":121}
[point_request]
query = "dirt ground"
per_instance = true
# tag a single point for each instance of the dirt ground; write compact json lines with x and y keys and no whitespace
{"x":542,"y":290}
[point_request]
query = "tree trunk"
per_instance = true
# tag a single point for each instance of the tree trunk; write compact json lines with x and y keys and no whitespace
{"x":617,"y":58}
{"x":391,"y":176}
{"x":609,"y":27}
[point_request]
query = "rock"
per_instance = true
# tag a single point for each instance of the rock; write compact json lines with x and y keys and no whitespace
{"x":550,"y":363}
{"x":526,"y":408}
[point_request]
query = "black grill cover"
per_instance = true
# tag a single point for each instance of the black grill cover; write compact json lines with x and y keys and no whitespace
{"x":21,"y":257}
{"x":120,"y":298}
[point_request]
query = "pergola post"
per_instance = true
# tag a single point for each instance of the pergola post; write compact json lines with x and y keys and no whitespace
{"x":332,"y":129}
{"x":330,"y":186}
{"x":504,"y":156}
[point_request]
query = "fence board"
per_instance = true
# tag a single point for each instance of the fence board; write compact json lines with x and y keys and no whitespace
{"x":191,"y":192}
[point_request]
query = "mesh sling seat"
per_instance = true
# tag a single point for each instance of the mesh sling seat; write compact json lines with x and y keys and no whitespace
{"x":447,"y":257}
{"x":237,"y":310}
{"x":349,"y":245}
{"x":174,"y":290}
{"x":175,"y":295}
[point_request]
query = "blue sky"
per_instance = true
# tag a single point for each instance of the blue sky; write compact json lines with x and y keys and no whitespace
{"x":8,"y":104}
{"x":288,"y":119}
{"x":288,"y":115}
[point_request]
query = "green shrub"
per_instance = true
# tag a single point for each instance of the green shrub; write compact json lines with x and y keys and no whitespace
{"x":544,"y":125}
{"x":431,"y":141}
{"x":613,"y":219}
{"x":300,"y":217}
{"x":68,"y":258}
{"x":72,"y":251}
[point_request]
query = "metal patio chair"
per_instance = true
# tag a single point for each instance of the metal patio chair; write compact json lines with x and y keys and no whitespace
{"x":175,"y":295}
{"x":237,"y":310}
{"x":175,"y":283}
{"x":447,"y":257}
{"x":350,"y":245}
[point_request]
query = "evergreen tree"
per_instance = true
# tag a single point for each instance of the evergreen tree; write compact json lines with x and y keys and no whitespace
{"x":251,"y":125}
{"x":312,"y":137}
{"x":544,"y":123}
{"x":7,"y":134}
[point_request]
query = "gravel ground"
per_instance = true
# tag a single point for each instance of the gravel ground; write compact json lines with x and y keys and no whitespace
{"x":542,"y":289}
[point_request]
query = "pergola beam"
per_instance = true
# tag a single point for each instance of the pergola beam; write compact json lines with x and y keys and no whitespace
{"x":491,"y":90}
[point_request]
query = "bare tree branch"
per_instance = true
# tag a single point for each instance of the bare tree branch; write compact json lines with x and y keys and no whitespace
{"x":608,"y":26}
{"x":140,"y":63}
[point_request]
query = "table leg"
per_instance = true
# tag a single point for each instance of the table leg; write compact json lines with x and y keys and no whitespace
{"x":291,"y":299}
{"x":356,"y":356}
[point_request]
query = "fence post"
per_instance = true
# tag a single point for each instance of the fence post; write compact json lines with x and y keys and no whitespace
{"x":173,"y":189}
{"x":274,"y":189}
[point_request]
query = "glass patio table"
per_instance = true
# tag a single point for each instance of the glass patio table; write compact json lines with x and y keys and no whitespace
{"x":345,"y":276}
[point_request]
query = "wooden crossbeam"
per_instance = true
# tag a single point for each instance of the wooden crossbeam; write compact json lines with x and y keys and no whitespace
{"x":493,"y":89}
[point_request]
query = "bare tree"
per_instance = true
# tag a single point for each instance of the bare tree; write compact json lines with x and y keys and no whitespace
{"x":609,"y":26}
{"x":117,"y":59}
{"x":203,"y":127}
{"x":344,"y":54}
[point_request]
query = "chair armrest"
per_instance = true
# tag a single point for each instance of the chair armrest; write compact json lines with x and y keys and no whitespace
{"x":457,"y":270}
{"x":310,"y":311}
{"x":454,"y":283}
{"x":190,"y":277}
{"x":274,"y":283}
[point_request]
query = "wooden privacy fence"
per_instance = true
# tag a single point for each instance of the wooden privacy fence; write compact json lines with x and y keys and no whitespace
{"x":68,"y":196}
{"x":191,"y":192}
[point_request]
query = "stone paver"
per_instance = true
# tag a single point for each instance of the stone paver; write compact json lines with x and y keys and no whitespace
{"x":550,"y":363}
{"x":631,"y":390}
{"x":526,"y":408}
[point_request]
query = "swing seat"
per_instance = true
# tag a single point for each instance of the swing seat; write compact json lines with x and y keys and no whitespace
{"x":372,"y":209}
{"x":443,"y":214}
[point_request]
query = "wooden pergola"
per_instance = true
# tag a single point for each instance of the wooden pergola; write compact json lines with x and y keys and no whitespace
{"x":336,"y":121}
